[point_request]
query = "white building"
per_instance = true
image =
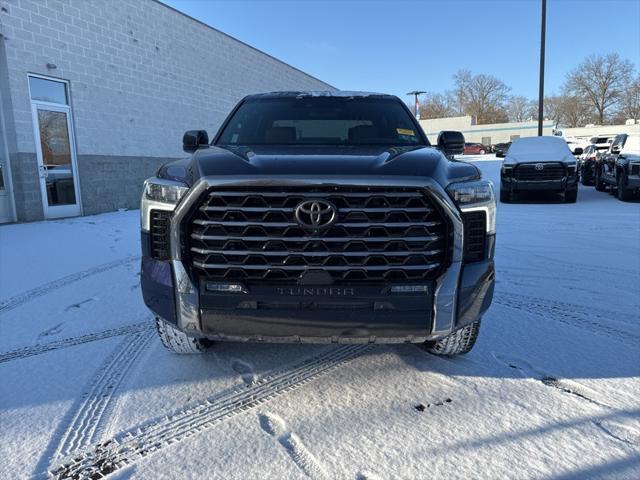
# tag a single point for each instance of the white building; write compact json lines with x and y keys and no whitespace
{"x":489,"y":134}
{"x":493,"y":133}
{"x":95,"y":95}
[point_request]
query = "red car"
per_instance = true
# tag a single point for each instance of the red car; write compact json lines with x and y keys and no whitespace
{"x":475,"y":149}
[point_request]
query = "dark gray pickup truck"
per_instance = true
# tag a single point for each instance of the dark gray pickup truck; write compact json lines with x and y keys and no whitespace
{"x":319,"y":217}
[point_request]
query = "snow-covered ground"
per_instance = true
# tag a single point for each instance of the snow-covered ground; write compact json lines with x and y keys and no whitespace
{"x":551,"y":390}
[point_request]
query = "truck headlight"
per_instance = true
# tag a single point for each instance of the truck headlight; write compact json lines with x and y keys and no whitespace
{"x":159,"y":194}
{"x":477,"y":195}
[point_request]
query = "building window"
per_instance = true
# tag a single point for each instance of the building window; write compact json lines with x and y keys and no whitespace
{"x":486,"y":140}
{"x":514,"y":137}
{"x":45,"y":90}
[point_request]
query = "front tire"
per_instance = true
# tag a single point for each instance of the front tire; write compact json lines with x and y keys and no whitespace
{"x":570,"y":196}
{"x":624,"y":193}
{"x":600,"y":185}
{"x":457,"y":343}
{"x":178,"y":342}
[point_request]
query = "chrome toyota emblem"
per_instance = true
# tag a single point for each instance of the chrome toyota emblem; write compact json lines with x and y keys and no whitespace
{"x":539,"y":166}
{"x":316,"y":214}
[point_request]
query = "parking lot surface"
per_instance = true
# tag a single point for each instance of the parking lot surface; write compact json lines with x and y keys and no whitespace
{"x":551,"y":390}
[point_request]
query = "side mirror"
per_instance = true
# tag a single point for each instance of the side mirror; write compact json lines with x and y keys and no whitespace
{"x":451,"y":142}
{"x":578,"y":151}
{"x":192,"y":140}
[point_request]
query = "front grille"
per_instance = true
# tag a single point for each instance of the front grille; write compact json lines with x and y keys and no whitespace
{"x":531,"y":172}
{"x":474,"y":236}
{"x":380,"y":235}
{"x":159,"y":230}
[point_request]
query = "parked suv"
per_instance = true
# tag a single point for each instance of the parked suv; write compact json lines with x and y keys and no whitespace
{"x":602,"y":142}
{"x":587,"y":164}
{"x":501,"y":149}
{"x":319,"y":217}
{"x":539,"y":164}
{"x":618,"y":167}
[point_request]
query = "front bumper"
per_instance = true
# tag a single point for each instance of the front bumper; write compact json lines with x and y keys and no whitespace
{"x":458,"y":297}
{"x":350,"y":314}
{"x":345,"y":314}
{"x":507,"y":182}
{"x":545,"y":185}
{"x":633,"y":181}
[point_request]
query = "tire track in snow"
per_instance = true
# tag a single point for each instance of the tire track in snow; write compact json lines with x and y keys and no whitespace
{"x":627,"y":435}
{"x":590,"y":310}
{"x":611,"y":428}
{"x":525,"y":369}
{"x":130,"y":446}
{"x":94,"y":405}
{"x":73,"y":341}
{"x":573,"y":315}
{"x":293,"y":445}
{"x":29,"y":295}
{"x":85,"y":421}
{"x":577,"y":266}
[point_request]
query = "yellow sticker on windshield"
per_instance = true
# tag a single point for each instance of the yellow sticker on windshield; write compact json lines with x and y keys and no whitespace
{"x":405,"y":131}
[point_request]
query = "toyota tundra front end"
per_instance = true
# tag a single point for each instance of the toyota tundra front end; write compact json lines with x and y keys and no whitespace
{"x":319,"y":217}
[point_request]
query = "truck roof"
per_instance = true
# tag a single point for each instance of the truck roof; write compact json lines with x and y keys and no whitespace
{"x":319,"y":93}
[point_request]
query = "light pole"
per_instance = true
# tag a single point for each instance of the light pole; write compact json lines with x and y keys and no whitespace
{"x":415,"y":93}
{"x":543,"y":27}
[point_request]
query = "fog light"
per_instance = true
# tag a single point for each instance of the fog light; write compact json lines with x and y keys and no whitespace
{"x":225,"y":287}
{"x":410,"y":289}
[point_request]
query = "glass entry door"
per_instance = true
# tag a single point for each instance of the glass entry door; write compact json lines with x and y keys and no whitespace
{"x":56,"y":160}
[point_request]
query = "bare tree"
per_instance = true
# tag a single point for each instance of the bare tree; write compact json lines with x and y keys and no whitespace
{"x":552,"y":109}
{"x":438,"y":105}
{"x":575,"y":110}
{"x":481,"y":96}
{"x":520,"y":109}
{"x":630,"y":102}
{"x":602,"y":79}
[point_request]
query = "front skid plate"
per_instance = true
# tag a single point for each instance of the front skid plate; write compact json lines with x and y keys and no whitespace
{"x":345,"y":314}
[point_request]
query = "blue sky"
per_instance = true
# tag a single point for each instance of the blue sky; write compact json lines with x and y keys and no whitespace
{"x":394,"y":46}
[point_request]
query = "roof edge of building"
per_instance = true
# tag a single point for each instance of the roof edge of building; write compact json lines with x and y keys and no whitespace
{"x":160,"y":2}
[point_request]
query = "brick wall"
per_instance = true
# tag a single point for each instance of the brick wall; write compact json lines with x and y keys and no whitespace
{"x":140,"y":75}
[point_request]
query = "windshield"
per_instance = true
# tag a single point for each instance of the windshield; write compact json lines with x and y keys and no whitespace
{"x":321,"y":121}
{"x":539,"y":146}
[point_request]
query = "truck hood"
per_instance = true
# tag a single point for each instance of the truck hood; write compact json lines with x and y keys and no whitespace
{"x":536,"y":157}
{"x":323,"y":161}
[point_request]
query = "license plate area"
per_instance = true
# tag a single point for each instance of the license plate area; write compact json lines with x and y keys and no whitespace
{"x":371,"y":298}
